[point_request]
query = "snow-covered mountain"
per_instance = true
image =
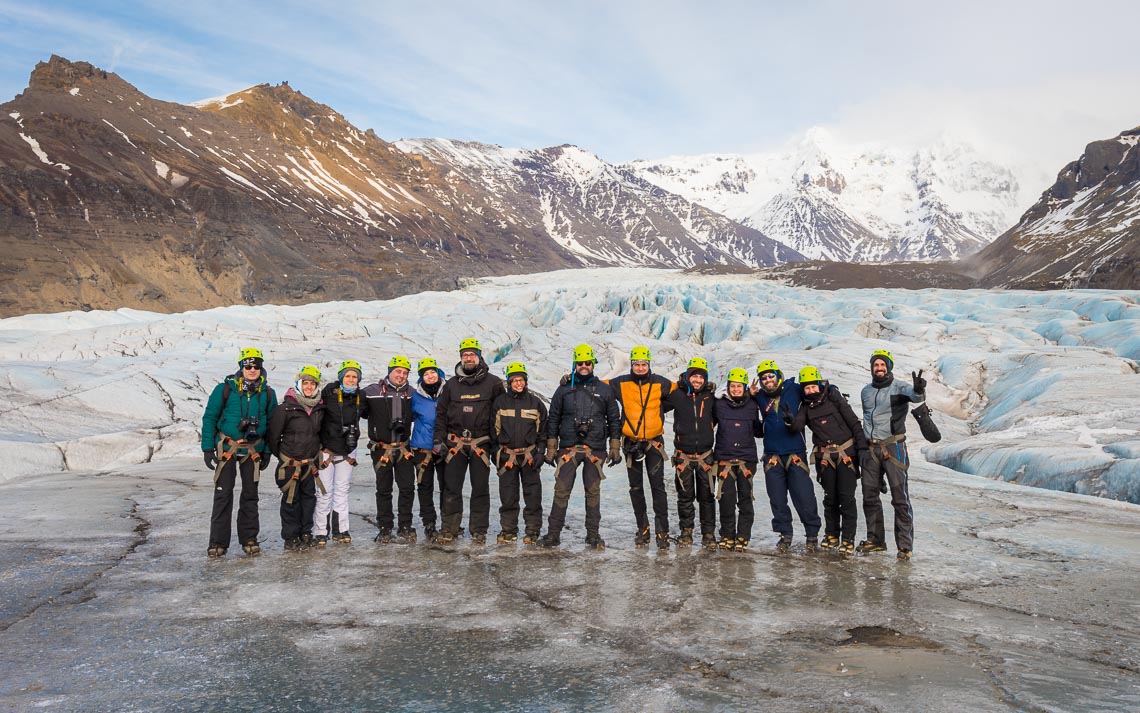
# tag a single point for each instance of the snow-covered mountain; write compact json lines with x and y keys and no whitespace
{"x":600,"y":213}
{"x":1083,"y":232}
{"x":858,"y":202}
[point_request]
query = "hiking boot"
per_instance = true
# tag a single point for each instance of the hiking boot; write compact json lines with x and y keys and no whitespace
{"x":293,"y":544}
{"x":342,"y":537}
{"x":708,"y":541}
{"x":550,"y":539}
{"x":216,"y":551}
{"x":430,"y":534}
{"x":595,"y":541}
{"x":903,"y":556}
{"x":383,"y":537}
{"x":829,"y":542}
{"x":307,"y":541}
{"x":868,"y":545}
{"x":784,"y":544}
{"x":507,"y":538}
{"x":741,"y":545}
{"x":686,"y":537}
{"x":811,"y":544}
{"x":662,"y":540}
{"x":444,"y":537}
{"x":321,"y":540}
{"x":406,"y":535}
{"x":250,"y":547}
{"x":727,"y":543}
{"x":641,"y":539}
{"x":846,"y":548}
{"x":530,"y":538}
{"x":478,"y":538}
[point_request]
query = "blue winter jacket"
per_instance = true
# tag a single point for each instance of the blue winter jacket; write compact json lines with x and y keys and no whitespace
{"x":423,"y":413}
{"x":778,"y":438}
{"x":737,"y":428}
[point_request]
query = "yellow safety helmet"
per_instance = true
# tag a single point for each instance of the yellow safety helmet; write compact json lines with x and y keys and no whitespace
{"x":427,"y":363}
{"x":886,"y":356}
{"x":349,"y":364}
{"x":698,"y":363}
{"x":516,"y":367}
{"x":739,"y":376}
{"x":470,"y":343}
{"x":309,"y":373}
{"x":250,"y":353}
{"x":810,"y":374}
{"x":640,"y":354}
{"x":584,"y":352}
{"x":398,"y":361}
{"x":769,"y":365}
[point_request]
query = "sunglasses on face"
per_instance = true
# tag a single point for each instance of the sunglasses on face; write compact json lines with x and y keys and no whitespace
{"x":583,"y":363}
{"x":251,"y":367}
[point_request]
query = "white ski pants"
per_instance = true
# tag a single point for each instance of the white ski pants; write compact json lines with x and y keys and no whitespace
{"x":336,"y":477}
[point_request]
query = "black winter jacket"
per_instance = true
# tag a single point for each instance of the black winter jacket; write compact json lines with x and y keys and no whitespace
{"x":341,"y":409}
{"x":520,"y":419}
{"x":389,"y":412}
{"x":694,"y":417}
{"x":738,"y":425}
{"x":831,"y":420}
{"x":292,"y":431}
{"x":465,"y":403}
{"x":590,"y":403}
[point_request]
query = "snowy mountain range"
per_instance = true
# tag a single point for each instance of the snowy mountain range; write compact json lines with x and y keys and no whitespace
{"x":856,"y":203}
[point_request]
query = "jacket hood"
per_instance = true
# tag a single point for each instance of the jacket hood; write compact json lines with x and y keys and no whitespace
{"x":420,"y":384}
{"x":480,"y":371}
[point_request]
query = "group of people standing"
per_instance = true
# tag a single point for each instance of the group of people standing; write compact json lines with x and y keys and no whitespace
{"x":451,"y":430}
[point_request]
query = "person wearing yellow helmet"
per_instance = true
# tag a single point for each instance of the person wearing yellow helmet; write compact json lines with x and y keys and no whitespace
{"x":340,"y":434}
{"x":233,"y":442}
{"x":640,"y":393}
{"x":583,"y":414}
{"x":519,"y":429}
{"x":838,"y":446}
{"x":388,"y":408}
{"x":886,"y":401}
{"x":785,"y":459}
{"x":737,"y":428}
{"x":462,"y":437}
{"x":294,"y":438}
{"x":693,"y":403}
{"x":429,"y":466}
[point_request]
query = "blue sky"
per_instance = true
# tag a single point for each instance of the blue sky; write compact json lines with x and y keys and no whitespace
{"x":1032,"y":80}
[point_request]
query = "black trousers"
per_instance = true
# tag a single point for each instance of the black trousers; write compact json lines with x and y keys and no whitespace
{"x":297,"y":516}
{"x":425,"y":489}
{"x":403,"y":472}
{"x":840,"y":514}
{"x":653,"y":465}
{"x":693,"y":486}
{"x":737,"y":511}
{"x":455,"y":473}
{"x":894,"y":469}
{"x":247,"y":522}
{"x":509,"y":481}
{"x":564,"y":479}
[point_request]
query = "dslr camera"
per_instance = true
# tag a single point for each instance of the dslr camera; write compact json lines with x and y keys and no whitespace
{"x":582,"y":427}
{"x":248,"y":428}
{"x":351,"y":434}
{"x":399,"y":427}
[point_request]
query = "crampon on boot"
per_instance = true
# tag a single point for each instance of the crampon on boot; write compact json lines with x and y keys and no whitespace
{"x":250,"y":547}
{"x":741,"y":545}
{"x":321,"y":540}
{"x":478,"y":538}
{"x":342,"y":537}
{"x":811,"y":544}
{"x":867,"y":546}
{"x":406,"y":536}
{"x":550,"y":539}
{"x":216,"y":551}
{"x":662,"y":540}
{"x":784,"y":544}
{"x":708,"y":541}
{"x":829,"y":542}
{"x":530,"y":538}
{"x":383,"y":537}
{"x":507,"y":538}
{"x":445,"y":537}
{"x":686,"y":537}
{"x":846,"y":548}
{"x":641,"y":539}
{"x":727,"y":543}
{"x":293,"y":544}
{"x":904,"y":555}
{"x":595,"y":541}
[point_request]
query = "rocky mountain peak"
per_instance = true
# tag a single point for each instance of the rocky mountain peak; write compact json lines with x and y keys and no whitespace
{"x":60,"y":74}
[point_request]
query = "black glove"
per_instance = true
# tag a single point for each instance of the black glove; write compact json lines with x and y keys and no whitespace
{"x":786,"y":414}
{"x":615,"y":452}
{"x":565,"y":380}
{"x":263,"y":462}
{"x":551,"y":451}
{"x":211,"y":459}
{"x":919,"y":382}
{"x":857,"y":464}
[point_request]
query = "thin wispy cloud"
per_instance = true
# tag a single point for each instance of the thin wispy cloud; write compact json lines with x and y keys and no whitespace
{"x":630,"y":79}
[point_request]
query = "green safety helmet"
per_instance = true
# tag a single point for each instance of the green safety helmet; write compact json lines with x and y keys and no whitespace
{"x":349,"y":364}
{"x":250,"y":353}
{"x":398,"y":361}
{"x":640,"y":354}
{"x":698,"y":363}
{"x":516,"y":367}
{"x":584,"y":352}
{"x":309,"y":373}
{"x":470,"y":343}
{"x":739,"y":376}
{"x":769,"y":365}
{"x":810,"y":375}
{"x":885,"y":356}
{"x":426,"y":363}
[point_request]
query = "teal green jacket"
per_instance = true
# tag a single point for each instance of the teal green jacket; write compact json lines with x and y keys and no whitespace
{"x":257,"y":404}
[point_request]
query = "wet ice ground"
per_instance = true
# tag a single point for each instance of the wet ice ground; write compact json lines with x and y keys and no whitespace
{"x":1017,"y":599}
